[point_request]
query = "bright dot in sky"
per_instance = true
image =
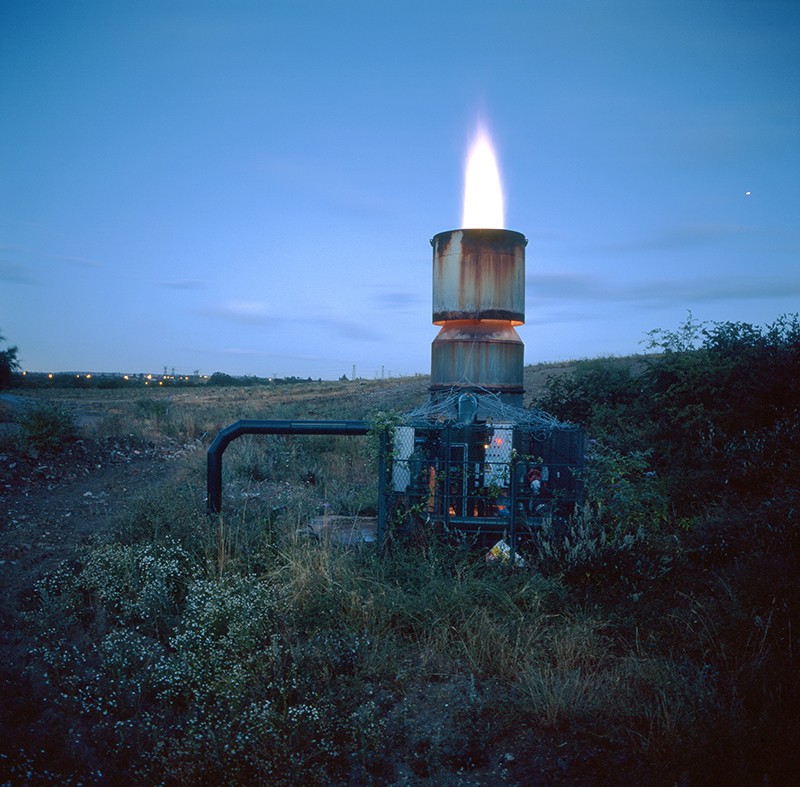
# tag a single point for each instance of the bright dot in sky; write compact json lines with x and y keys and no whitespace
{"x":483,"y":194}
{"x":747,"y":193}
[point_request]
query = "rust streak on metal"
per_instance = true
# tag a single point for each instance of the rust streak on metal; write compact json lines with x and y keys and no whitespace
{"x":478,"y":298}
{"x":479,"y":274}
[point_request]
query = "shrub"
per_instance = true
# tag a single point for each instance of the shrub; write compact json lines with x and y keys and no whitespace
{"x":47,"y":429}
{"x":624,"y":490}
{"x":9,"y":363}
{"x":142,"y":585}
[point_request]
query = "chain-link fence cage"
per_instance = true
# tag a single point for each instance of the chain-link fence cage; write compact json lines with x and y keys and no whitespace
{"x":468,"y":465}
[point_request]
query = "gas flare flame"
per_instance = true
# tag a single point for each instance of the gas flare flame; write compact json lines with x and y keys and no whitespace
{"x":483,"y":194}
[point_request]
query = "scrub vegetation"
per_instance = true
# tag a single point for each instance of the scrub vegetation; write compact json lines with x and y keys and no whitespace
{"x":9,"y":363}
{"x":655,"y":642}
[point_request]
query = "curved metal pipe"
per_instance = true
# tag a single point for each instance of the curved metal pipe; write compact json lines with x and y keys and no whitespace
{"x":229,"y":433}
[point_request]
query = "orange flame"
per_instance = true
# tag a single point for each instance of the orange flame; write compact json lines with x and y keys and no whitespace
{"x":483,"y":193}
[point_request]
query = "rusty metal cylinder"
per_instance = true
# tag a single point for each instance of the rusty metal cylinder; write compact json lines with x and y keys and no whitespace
{"x":479,"y":275}
{"x":483,"y":354}
{"x":478,"y":298}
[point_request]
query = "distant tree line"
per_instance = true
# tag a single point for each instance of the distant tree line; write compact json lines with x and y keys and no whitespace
{"x":222,"y":379}
{"x":101,"y":380}
{"x":10,"y":376}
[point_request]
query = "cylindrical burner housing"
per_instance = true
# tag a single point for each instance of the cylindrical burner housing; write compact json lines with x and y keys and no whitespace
{"x":478,"y":298}
{"x":479,"y":275}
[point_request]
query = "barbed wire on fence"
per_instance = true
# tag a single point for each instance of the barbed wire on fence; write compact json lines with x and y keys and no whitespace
{"x":443,"y":409}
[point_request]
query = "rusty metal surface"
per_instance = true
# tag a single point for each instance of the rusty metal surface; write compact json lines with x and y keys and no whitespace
{"x":486,"y":354}
{"x":479,"y":274}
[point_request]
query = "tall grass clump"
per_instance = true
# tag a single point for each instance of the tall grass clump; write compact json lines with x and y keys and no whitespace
{"x":47,"y":428}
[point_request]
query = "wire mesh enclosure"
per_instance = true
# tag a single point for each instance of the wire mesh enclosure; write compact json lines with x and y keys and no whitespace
{"x":469,"y":464}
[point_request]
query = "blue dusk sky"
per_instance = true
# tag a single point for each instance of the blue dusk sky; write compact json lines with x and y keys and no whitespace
{"x":250,"y":187}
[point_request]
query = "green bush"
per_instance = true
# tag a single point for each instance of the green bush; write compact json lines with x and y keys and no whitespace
{"x":48,"y":429}
{"x":624,"y":490}
{"x":9,"y":363}
{"x":716,"y":412}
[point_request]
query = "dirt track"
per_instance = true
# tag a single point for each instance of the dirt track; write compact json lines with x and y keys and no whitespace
{"x":49,"y":509}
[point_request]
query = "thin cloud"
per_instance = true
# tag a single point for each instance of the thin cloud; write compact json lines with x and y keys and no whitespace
{"x":554,"y":316}
{"x":672,"y":238}
{"x":559,"y":286}
{"x":547,"y":289}
{"x":260,"y":313}
{"x":16,"y":273}
{"x":348,"y":329}
{"x":38,"y":256}
{"x":293,"y":357}
{"x":247,"y":312}
{"x":397,"y":299}
{"x":240,"y":351}
{"x":181,"y":284}
{"x":81,"y":262}
{"x":708,"y":290}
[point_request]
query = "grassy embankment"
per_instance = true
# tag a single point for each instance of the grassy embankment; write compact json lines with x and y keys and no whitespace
{"x":656,"y":643}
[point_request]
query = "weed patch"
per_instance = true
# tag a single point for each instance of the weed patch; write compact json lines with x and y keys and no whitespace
{"x":47,"y":429}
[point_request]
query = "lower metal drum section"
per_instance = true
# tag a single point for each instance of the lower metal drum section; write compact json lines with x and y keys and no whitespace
{"x":483,"y":355}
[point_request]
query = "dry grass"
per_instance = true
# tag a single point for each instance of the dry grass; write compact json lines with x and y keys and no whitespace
{"x":352,"y":636}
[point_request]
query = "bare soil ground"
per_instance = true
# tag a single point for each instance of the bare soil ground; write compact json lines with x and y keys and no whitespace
{"x":50,"y":508}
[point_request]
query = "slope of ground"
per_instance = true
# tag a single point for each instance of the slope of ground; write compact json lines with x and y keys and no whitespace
{"x":51,"y":507}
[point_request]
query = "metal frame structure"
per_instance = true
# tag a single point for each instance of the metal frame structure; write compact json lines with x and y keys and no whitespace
{"x":484,"y":481}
